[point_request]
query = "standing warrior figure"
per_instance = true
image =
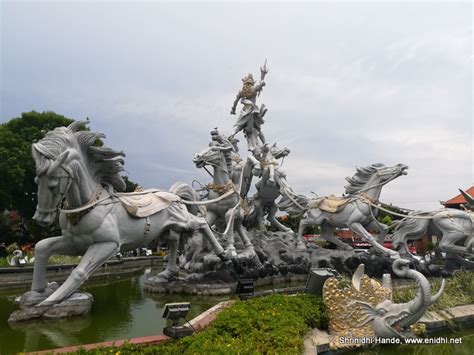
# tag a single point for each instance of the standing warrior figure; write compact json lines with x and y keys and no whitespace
{"x":251,"y":117}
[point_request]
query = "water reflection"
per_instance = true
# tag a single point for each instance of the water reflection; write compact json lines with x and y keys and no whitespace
{"x":121,"y":310}
{"x":61,"y":333}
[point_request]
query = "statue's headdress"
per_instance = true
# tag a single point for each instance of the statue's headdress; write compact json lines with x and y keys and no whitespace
{"x":248,"y":79}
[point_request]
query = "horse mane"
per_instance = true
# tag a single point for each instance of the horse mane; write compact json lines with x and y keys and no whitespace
{"x":105,"y":163}
{"x":360,"y":178}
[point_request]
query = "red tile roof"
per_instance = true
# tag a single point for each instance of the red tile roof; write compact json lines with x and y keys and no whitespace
{"x":459,"y":199}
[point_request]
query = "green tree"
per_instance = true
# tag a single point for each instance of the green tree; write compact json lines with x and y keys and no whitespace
{"x":130,"y":185}
{"x":17,"y":168}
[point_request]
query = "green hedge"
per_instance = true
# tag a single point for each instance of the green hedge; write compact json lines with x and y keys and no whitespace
{"x":267,"y":325}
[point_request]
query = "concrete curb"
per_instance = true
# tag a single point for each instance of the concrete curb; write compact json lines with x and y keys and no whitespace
{"x":198,"y":323}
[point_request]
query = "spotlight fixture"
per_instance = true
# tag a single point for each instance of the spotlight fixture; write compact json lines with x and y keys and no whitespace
{"x":176,"y":311}
{"x":316,"y":279}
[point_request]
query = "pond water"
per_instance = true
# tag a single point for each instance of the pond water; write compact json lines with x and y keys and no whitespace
{"x":121,"y":310}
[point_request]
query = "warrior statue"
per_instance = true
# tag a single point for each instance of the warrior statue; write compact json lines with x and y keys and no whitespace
{"x":251,"y":117}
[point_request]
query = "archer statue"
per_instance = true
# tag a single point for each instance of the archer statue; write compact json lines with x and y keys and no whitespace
{"x":251,"y":117}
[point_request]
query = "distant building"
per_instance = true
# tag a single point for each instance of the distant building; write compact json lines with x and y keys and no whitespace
{"x":458,"y":200}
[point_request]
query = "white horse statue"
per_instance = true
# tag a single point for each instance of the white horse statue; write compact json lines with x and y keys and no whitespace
{"x":95,"y":223}
{"x":356,"y":211}
{"x":454,"y":227}
{"x":224,"y":209}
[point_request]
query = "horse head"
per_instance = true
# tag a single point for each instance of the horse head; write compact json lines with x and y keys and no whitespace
{"x":278,"y":153}
{"x":388,"y":173}
{"x":212,"y":155}
{"x":53,"y":178}
{"x":66,"y":154}
{"x":373,"y":177}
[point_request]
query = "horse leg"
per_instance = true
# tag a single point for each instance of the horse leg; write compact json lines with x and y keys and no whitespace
{"x":327,"y":233}
{"x":43,"y":250}
{"x":449,"y":240}
{"x":258,"y":207}
{"x":171,"y":268}
{"x":470,"y":244}
{"x":243,"y":236}
{"x":210,"y":218}
{"x":94,"y":257}
{"x":229,"y":237}
{"x":381,"y":228}
{"x":357,"y":228}
{"x":202,"y":226}
{"x":274,"y":221}
{"x":260,"y":218}
{"x":304,"y":222}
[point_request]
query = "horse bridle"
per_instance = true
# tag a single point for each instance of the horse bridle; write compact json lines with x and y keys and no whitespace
{"x":381,"y":183}
{"x":62,"y":193}
{"x":207,"y":162}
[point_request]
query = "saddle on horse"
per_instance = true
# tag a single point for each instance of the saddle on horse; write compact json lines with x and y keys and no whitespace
{"x":329,"y":203}
{"x":146,"y":203}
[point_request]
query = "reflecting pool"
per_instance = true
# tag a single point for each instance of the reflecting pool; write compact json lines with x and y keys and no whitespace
{"x":121,"y":310}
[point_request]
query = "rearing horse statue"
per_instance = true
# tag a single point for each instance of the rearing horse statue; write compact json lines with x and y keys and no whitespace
{"x":354,"y":211}
{"x":96,"y":224}
{"x":226,"y":212}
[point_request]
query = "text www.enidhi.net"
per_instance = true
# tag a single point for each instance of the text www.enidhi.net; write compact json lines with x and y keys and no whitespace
{"x":437,"y":340}
{"x":376,"y":340}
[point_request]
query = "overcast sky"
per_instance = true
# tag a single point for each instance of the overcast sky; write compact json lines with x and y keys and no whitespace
{"x":350,"y":84}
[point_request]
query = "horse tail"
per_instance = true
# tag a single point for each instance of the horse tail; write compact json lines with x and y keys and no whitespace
{"x":409,"y":229}
{"x":293,"y":204}
{"x":186,"y":192}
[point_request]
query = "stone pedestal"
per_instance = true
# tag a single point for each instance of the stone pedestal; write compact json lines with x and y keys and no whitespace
{"x":274,"y":255}
{"x":78,"y":304}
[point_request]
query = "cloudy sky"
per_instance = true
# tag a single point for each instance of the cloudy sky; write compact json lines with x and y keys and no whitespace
{"x":350,"y":84}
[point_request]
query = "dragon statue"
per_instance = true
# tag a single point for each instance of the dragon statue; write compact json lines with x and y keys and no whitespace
{"x":366,"y":309}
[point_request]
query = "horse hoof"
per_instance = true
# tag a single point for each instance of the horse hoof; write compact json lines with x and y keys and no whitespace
{"x":300,"y":246}
{"x":167,"y":275}
{"x":46,"y":304}
{"x":249,"y":250}
{"x":230,"y":254}
{"x":395,"y":255}
{"x":53,"y":285}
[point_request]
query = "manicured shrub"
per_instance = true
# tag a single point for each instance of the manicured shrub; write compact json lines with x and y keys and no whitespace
{"x":274,"y":324}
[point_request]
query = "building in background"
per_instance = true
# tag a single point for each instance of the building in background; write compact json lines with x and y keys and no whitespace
{"x":458,"y":200}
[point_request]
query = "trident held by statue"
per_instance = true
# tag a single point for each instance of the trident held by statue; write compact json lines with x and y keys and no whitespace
{"x":263,"y":71}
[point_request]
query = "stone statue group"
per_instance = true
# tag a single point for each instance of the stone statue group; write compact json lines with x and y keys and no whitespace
{"x":79,"y":182}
